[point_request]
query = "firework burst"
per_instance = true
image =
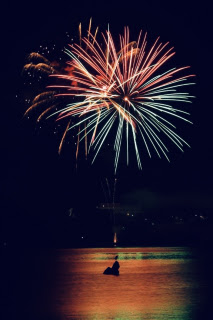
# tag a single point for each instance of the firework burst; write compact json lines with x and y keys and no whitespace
{"x":127,"y":87}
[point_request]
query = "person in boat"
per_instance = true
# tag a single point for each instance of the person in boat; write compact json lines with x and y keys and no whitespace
{"x":115,"y":268}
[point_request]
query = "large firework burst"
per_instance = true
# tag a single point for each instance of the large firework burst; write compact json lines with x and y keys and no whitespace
{"x":127,"y":87}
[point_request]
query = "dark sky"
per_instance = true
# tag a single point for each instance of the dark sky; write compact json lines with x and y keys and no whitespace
{"x":35,"y":178}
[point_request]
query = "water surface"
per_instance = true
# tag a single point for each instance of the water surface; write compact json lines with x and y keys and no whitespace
{"x":154,"y":283}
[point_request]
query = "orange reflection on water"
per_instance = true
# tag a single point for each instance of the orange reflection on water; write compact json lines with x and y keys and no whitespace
{"x":154,"y":283}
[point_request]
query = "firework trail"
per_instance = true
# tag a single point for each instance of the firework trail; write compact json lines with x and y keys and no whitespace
{"x":114,"y":189}
{"x":109,"y":190}
{"x":64,"y":135}
{"x":39,"y":67}
{"x":35,"y":56}
{"x":46,"y":100}
{"x":41,"y":99}
{"x":125,"y":87}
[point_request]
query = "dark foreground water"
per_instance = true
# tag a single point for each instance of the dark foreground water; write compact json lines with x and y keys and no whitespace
{"x":154,"y":284}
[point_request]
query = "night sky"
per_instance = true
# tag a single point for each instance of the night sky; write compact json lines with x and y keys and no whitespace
{"x":37,"y":183}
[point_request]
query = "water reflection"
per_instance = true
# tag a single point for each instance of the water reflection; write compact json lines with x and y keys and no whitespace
{"x":154,"y":283}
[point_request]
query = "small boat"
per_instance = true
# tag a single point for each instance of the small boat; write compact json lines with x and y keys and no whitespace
{"x":111,"y":271}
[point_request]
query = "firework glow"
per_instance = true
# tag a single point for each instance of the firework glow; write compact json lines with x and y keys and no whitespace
{"x":124,"y":86}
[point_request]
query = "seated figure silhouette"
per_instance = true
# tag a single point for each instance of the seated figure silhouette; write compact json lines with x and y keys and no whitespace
{"x":114,"y":270}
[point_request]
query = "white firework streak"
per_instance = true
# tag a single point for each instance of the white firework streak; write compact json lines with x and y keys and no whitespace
{"x":124,"y":86}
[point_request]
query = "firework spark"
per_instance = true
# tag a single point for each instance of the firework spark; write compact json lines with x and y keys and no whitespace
{"x":127,"y":87}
